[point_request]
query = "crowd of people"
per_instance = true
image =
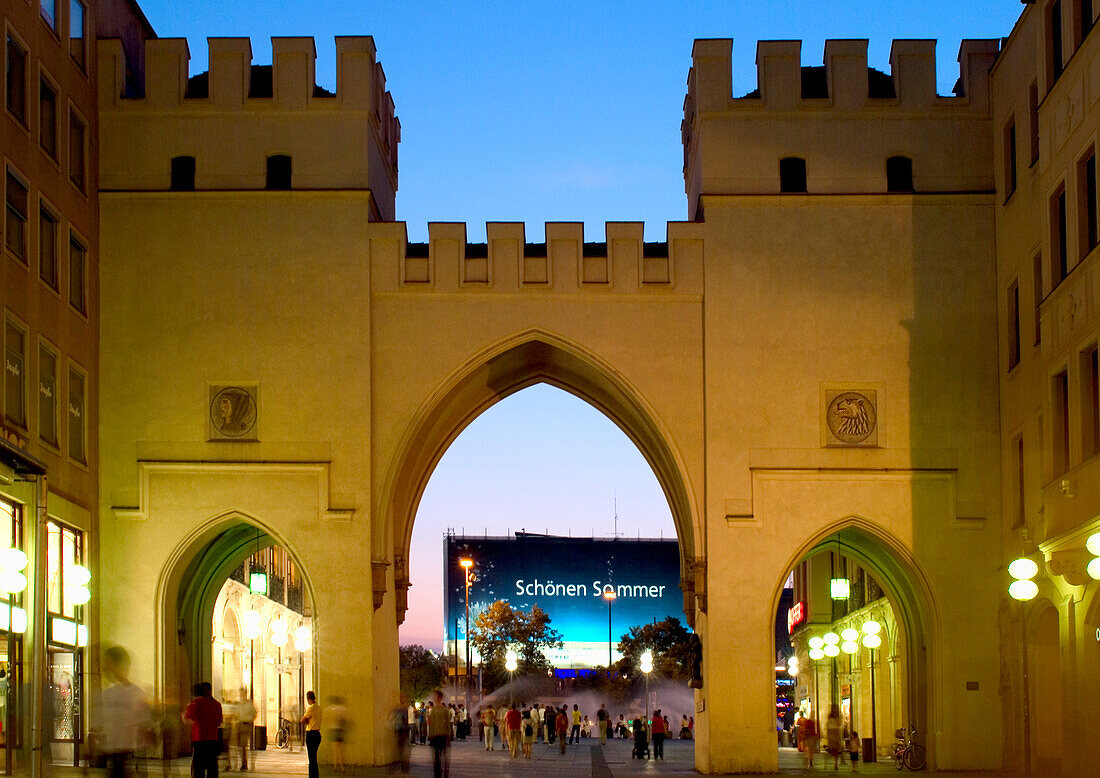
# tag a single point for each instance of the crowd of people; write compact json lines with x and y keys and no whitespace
{"x":839,"y":741}
{"x":515,"y":728}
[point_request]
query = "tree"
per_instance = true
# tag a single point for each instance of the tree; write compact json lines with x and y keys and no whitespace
{"x":422,"y":672}
{"x":500,"y":627}
{"x":674,"y":648}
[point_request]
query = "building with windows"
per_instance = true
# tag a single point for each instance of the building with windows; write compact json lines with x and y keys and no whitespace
{"x":824,"y":366}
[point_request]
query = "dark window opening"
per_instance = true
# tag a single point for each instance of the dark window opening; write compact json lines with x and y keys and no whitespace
{"x":1059,"y":250}
{"x":278,"y":171}
{"x":792,"y":174}
{"x":1055,"y":21}
{"x":1086,"y":19}
{"x":15,"y":221}
{"x":1037,"y":293}
{"x":1090,"y":402}
{"x":1033,"y":112}
{"x":16,"y":81}
{"x":1018,"y":451}
{"x":899,"y":174}
{"x":1010,"y":158}
{"x":1086,"y":189}
{"x":1060,"y":422}
{"x":1013,"y":325}
{"x":47,"y":118}
{"x":183,"y":174}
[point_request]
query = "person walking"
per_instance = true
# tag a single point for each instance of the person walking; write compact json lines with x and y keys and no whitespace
{"x":561,"y":726}
{"x":530,"y":725}
{"x":512,"y":721}
{"x":125,"y":717}
{"x":312,"y":720}
{"x":575,"y":732}
{"x":659,"y":730}
{"x":205,"y":715}
{"x":602,"y":721}
{"x":834,"y":732}
{"x":853,"y":749}
{"x":489,"y":726}
{"x":245,"y":711}
{"x":439,"y":736}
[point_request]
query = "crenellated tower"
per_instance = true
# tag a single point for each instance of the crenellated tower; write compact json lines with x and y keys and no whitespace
{"x":241,"y":126}
{"x":843,"y":120}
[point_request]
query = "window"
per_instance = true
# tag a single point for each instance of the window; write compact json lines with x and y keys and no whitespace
{"x":47,"y":395}
{"x":76,"y":32}
{"x":278,"y":172}
{"x":1090,"y":402}
{"x":1054,"y":35}
{"x":76,"y":415}
{"x":47,"y":118}
{"x":183,"y":174}
{"x":899,"y":174}
{"x":1018,"y":462}
{"x":15,"y":220}
{"x":76,"y":151}
{"x":49,"y":12}
{"x":1009,"y":140}
{"x":64,"y":550}
{"x":17,"y":80}
{"x":1033,"y":119}
{"x":792,"y":174}
{"x":1086,"y":203}
{"x":47,"y":247}
{"x":78,"y":261}
{"x":1059,"y":252}
{"x":1037,"y":294}
{"x":15,"y":374}
{"x":1013,"y":325}
{"x":1084,"y":20}
{"x":1060,"y":421}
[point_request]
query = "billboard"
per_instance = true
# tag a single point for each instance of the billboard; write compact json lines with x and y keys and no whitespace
{"x":568,"y":578}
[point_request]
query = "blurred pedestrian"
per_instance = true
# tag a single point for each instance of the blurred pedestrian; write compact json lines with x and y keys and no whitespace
{"x":561,"y":727}
{"x":489,"y":726}
{"x":512,"y":720}
{"x":124,"y":712}
{"x":401,"y":731}
{"x":312,"y":719}
{"x":659,"y":730}
{"x":439,"y":736}
{"x":205,"y":715}
{"x":336,"y":717}
{"x":244,"y":714}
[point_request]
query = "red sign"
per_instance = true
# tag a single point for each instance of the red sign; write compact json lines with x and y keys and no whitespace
{"x":796,"y":616}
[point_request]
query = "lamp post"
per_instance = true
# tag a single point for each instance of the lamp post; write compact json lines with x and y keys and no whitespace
{"x":647,"y":668}
{"x":1024,"y":589}
{"x":609,"y":595}
{"x":510,"y":664}
{"x":872,"y":641}
{"x":817,"y":653}
{"x":467,"y":564}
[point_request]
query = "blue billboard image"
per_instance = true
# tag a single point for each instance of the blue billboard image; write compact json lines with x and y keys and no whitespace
{"x":569,"y":578}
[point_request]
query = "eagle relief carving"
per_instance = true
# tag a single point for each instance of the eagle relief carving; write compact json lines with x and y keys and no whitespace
{"x":851,"y":417}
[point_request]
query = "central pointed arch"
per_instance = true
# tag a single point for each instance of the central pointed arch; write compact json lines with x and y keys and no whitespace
{"x":529,"y":358}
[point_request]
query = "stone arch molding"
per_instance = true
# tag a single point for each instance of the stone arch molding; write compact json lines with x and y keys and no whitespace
{"x":881,"y":551}
{"x":528,"y":358}
{"x":186,"y":579}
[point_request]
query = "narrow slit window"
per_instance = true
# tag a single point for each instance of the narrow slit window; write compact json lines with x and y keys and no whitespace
{"x":1010,"y":157}
{"x":47,"y":395}
{"x":1054,"y":27}
{"x":76,"y":32}
{"x":16,"y":80}
{"x":1059,"y":251}
{"x":792,"y":174}
{"x":1086,"y":205}
{"x":1060,"y":422}
{"x":47,"y":118}
{"x":1090,"y":402}
{"x":278,"y":171}
{"x":1013,"y":325}
{"x":1018,"y":456}
{"x":15,"y":218}
{"x":15,"y":374}
{"x":78,"y":262}
{"x":77,"y":160}
{"x":1037,"y":295}
{"x":899,"y":174}
{"x":1033,"y":120}
{"x":183,"y":174}
{"x":47,"y":247}
{"x":77,"y":450}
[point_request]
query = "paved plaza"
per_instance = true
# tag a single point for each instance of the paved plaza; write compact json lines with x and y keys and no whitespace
{"x":469,"y":759}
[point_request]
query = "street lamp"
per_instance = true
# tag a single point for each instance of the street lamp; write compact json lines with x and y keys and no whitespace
{"x":510,"y":664}
{"x":817,"y":653}
{"x":872,"y":641}
{"x":609,"y":595}
{"x":1023,"y":589}
{"x":467,"y":564}
{"x":647,"y":668}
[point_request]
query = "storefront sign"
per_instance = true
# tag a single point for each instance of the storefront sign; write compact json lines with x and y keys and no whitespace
{"x":797,"y":615}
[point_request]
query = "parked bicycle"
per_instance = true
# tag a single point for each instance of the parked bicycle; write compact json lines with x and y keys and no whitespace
{"x":908,"y":755}
{"x":282,"y":735}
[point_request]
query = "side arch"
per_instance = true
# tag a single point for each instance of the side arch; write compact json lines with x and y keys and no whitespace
{"x":909,"y":592}
{"x":188,"y":587}
{"x":526,"y":359}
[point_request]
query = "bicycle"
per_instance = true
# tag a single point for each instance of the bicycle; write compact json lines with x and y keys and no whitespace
{"x":282,"y":735}
{"x":907,"y":754}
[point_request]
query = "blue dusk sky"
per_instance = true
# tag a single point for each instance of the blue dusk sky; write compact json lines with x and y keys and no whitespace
{"x":562,"y":111}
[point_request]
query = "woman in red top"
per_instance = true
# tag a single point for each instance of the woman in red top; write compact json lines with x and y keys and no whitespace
{"x":658,"y":730}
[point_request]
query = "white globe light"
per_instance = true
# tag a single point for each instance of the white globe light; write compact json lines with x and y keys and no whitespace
{"x":510,"y":656}
{"x":817,"y":654}
{"x":792,"y":672}
{"x":832,"y":649}
{"x":279,"y":627}
{"x":871,"y":628}
{"x":1093,"y":568}
{"x":849,"y":634}
{"x":78,"y":595}
{"x":251,"y":631}
{"x":301,"y":646}
{"x":1022,"y":568}
{"x":816,"y":642}
{"x":79,"y":575}
{"x":12,"y":581}
{"x":872,"y":641}
{"x":849,"y":646}
{"x":1093,"y":544}
{"x":792,"y":662}
{"x":831,"y":638}
{"x":302,"y":635}
{"x":251,"y":617}
{"x":279,"y":639}
{"x":510,"y":664}
{"x":12,"y":559}
{"x":1024,"y":589}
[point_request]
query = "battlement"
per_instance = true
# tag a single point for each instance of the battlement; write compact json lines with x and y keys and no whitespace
{"x":235,"y":115}
{"x":849,"y":85}
{"x":622,"y":262}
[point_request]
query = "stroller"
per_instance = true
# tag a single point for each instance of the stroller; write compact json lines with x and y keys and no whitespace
{"x":641,"y":741}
